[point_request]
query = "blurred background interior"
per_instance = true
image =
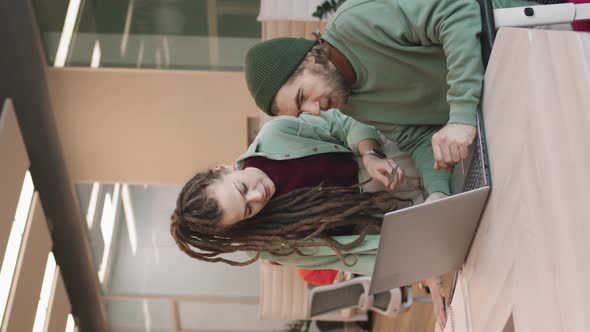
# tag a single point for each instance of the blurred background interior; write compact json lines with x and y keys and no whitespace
{"x":114,"y":105}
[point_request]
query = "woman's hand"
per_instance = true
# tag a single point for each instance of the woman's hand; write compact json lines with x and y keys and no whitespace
{"x":385,"y":171}
{"x":438,"y":300}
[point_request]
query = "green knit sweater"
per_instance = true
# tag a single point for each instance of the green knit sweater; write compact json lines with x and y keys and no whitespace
{"x":417,"y":63}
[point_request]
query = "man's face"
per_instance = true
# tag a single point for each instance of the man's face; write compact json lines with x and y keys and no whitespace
{"x":318,"y":88}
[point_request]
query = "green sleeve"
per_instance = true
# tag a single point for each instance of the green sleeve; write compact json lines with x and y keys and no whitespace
{"x":455,"y":25}
{"x":348,"y":130}
{"x":360,"y":259}
{"x":418,"y":141}
{"x":511,"y":3}
{"x":361,"y":263}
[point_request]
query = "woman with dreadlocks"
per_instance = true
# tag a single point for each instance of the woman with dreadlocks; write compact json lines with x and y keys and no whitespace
{"x":294,"y":198}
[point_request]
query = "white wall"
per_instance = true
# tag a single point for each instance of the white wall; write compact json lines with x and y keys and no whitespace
{"x":158,"y":267}
{"x":148,"y":126}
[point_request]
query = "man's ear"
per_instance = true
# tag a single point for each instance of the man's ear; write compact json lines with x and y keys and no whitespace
{"x":309,"y":59}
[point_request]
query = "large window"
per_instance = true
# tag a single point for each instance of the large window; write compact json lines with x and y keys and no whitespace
{"x":8,"y":268}
{"x":164,"y":34}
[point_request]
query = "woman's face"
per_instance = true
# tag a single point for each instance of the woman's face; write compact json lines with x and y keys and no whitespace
{"x":242,"y":194}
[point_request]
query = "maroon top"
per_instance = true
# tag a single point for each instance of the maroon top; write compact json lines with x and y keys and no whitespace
{"x":333,"y":169}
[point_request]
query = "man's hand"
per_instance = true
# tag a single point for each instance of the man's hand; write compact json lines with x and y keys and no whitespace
{"x":451,"y":144}
{"x":385,"y":171}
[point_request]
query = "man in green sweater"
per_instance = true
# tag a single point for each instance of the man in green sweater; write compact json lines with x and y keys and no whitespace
{"x":411,"y":68}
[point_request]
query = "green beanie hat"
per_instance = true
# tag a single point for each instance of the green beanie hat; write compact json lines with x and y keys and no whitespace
{"x":270,"y":64}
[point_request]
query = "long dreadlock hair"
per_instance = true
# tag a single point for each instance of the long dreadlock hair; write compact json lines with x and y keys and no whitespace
{"x":283,"y":227}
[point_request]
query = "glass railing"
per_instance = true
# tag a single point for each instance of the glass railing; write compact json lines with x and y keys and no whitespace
{"x":160,"y":34}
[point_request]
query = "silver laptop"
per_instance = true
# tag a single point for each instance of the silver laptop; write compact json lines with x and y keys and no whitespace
{"x":431,"y":239}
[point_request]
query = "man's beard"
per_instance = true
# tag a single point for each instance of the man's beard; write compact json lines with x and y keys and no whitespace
{"x":337,"y":84}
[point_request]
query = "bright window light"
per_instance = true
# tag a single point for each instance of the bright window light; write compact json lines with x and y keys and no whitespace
{"x":14,"y":240}
{"x":129,"y":218}
{"x":106,"y":220}
{"x":127,"y":28}
{"x":146,"y":316}
{"x":45,"y":294}
{"x":107,"y":227}
{"x":70,"y":324}
{"x":92,"y":204}
{"x":66,"y":34}
{"x":95,"y":60}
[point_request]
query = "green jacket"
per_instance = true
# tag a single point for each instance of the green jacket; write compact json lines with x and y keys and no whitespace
{"x":417,"y":62}
{"x":287,"y":137}
{"x":361,"y":258}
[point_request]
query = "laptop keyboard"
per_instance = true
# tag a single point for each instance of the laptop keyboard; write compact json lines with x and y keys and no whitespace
{"x":476,"y":175}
